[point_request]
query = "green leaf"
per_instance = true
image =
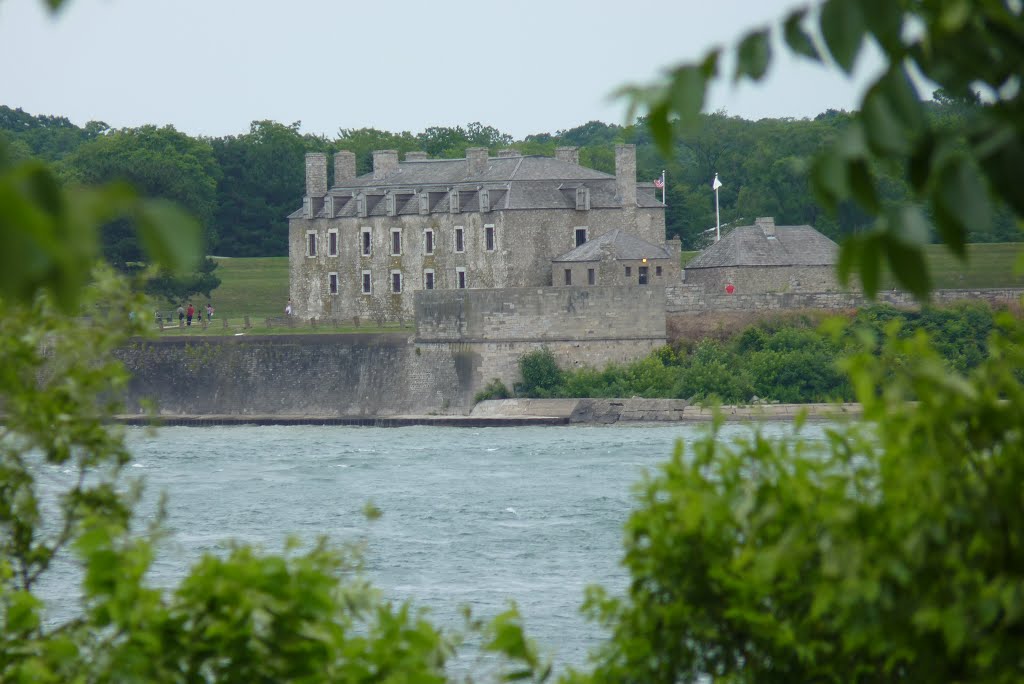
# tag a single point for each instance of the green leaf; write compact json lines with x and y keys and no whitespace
{"x":661,"y":128}
{"x":842,"y":26}
{"x":892,"y":114}
{"x":908,"y":265}
{"x":909,"y":225}
{"x":862,"y":185}
{"x":797,"y":39}
{"x":830,"y":180}
{"x":686,"y":91}
{"x":171,"y":237}
{"x":961,"y":201}
{"x":753,"y":55}
{"x":884,"y":19}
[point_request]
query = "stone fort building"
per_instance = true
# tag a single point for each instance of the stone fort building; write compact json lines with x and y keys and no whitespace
{"x":365,"y":245}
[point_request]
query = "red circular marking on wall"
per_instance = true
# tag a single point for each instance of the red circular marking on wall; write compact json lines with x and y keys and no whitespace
{"x":729,"y":288}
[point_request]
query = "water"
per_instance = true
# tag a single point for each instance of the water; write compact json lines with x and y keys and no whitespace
{"x":476,"y":517}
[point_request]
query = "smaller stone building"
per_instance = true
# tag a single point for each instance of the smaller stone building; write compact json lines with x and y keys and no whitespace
{"x":618,"y":258}
{"x":767,"y":258}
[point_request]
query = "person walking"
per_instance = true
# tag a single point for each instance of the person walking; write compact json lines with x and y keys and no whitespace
{"x":288,"y":308}
{"x":209,"y":312}
{"x":189,"y":313}
{"x":181,"y":314}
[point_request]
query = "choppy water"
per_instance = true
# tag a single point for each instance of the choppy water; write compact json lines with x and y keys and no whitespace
{"x":476,"y":517}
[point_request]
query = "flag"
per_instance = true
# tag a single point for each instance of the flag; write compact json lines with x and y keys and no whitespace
{"x":658,"y":183}
{"x":716,"y":184}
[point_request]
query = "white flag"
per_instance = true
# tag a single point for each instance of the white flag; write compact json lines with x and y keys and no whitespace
{"x":717,"y":184}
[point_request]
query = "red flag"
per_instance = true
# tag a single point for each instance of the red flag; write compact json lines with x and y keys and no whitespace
{"x":658,"y":183}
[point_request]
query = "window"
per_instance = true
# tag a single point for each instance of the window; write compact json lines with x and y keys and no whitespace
{"x":367,"y":242}
{"x":591,"y":276}
{"x":642,"y":272}
{"x":568,"y":276}
{"x":581,"y":236}
{"x":428,"y":241}
{"x":657,"y":270}
{"x":332,"y":283}
{"x":485,"y":200}
{"x":460,"y":241}
{"x":332,"y":242}
{"x":367,"y":283}
{"x":489,"y":237}
{"x":396,"y":242}
{"x":629,"y":271}
{"x":460,"y":278}
{"x":310,"y":243}
{"x":428,"y":280}
{"x":396,"y":281}
{"x":582,"y":199}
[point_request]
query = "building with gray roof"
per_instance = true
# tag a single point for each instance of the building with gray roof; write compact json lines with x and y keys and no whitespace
{"x":618,"y":258}
{"x":363,"y":246}
{"x":767,"y":258}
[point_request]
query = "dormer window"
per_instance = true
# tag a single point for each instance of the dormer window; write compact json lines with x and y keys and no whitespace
{"x":582,"y":199}
{"x":390,"y":203}
{"x":453,"y":201}
{"x":485,"y":200}
{"x":361,"y":205}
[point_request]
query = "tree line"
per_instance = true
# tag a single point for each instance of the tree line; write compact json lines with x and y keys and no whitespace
{"x":241,"y":187}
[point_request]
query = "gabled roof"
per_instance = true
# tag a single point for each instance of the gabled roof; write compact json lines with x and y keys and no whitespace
{"x":514,"y":182}
{"x":751,"y":246}
{"x":618,"y":245}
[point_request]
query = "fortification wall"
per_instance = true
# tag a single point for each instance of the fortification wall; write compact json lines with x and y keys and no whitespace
{"x":314,"y":375}
{"x":582,"y":326}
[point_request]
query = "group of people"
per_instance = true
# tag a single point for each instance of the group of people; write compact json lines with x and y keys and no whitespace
{"x":187,"y":314}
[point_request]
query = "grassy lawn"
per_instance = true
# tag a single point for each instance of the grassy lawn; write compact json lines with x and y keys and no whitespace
{"x":988,"y":265}
{"x":256,"y":287}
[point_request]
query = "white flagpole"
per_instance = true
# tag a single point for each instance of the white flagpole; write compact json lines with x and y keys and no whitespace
{"x":664,"y":188}
{"x":718,"y":221}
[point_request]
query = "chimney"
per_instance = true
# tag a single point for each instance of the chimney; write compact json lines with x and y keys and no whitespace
{"x":767,"y":224}
{"x":415,"y":156}
{"x":385,"y":162}
{"x":508,"y":152}
{"x":316,"y":174}
{"x":568,"y":154}
{"x":625,"y":174}
{"x":477,"y":158}
{"x":344,"y":166}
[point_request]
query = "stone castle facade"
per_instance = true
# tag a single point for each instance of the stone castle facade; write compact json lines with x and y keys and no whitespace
{"x":363,"y":246}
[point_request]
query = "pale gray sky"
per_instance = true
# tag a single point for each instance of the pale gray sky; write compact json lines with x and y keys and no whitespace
{"x":210,"y":67}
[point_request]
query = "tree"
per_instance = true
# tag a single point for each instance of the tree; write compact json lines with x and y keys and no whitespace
{"x":961,"y":47}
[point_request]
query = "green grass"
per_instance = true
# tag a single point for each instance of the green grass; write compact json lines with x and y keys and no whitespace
{"x":988,"y":265}
{"x":256,"y":287}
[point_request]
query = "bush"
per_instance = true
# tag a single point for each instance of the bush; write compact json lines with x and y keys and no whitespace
{"x":540,"y":372}
{"x":495,"y":389}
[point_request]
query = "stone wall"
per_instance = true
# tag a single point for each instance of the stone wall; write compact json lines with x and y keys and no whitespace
{"x":525,"y":243}
{"x":309,"y":375}
{"x":752,"y":279}
{"x":582,"y":326}
{"x":689,"y":298}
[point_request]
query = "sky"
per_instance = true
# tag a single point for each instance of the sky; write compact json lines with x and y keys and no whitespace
{"x":210,"y":67}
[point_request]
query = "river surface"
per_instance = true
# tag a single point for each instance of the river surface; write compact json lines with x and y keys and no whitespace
{"x":473,"y":517}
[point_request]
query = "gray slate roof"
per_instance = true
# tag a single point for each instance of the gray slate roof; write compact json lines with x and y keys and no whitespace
{"x":520,"y":182}
{"x":617,"y":245}
{"x":749,"y":246}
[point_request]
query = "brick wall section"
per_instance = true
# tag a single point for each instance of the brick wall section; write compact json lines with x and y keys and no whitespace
{"x":312,"y":375}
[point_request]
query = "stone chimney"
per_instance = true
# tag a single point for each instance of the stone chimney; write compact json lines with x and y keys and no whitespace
{"x":477,"y":158}
{"x":568,"y":154}
{"x":385,"y":162}
{"x":508,"y":152}
{"x":416,"y":156}
{"x":316,"y":174}
{"x":767,"y":224}
{"x":625,"y":174}
{"x":344,"y":167}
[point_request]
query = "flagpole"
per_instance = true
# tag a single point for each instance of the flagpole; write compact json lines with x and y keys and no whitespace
{"x":718,"y":220}
{"x":664,"y":188}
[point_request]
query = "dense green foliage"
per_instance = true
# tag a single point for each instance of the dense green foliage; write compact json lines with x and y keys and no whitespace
{"x":889,"y":552}
{"x":789,"y":361}
{"x":242,"y":187}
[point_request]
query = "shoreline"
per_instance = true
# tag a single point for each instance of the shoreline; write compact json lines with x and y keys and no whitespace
{"x":529,"y":412}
